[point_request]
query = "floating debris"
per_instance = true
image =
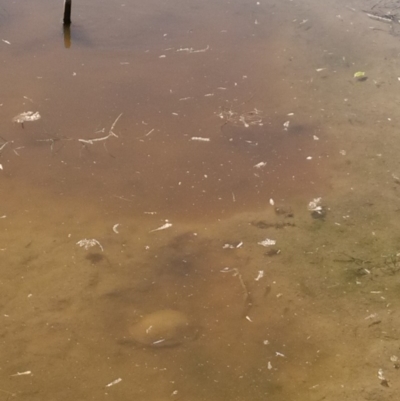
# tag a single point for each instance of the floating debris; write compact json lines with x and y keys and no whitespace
{"x":286,"y":125}
{"x":387,"y":19}
{"x":191,"y":50}
{"x":200,"y":139}
{"x":114,"y":382}
{"x":261,"y":164}
{"x":163,"y":227}
{"x":254,"y":117}
{"x":382,"y":378}
{"x":317,"y":210}
{"x":360,"y":76}
{"x":28,"y":372}
{"x":260,"y":275}
{"x":89,"y":243}
{"x":26,"y":116}
{"x":267,"y":242}
{"x":314,"y":205}
{"x":231,"y":246}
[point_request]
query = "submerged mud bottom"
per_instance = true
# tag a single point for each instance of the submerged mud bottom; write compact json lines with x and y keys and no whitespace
{"x":242,"y":321}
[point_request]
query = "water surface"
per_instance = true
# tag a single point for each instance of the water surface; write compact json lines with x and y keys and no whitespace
{"x":223,"y":121}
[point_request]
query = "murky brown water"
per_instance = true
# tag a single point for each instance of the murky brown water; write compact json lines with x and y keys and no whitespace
{"x":223,"y":120}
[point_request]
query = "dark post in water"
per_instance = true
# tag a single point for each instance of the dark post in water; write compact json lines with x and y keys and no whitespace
{"x":67,"y":12}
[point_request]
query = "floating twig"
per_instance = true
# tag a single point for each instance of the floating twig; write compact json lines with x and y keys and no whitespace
{"x":114,"y":382}
{"x":104,"y":138}
{"x":163,"y":227}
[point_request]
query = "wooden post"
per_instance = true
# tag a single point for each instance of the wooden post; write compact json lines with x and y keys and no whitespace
{"x":67,"y":35}
{"x":67,"y":12}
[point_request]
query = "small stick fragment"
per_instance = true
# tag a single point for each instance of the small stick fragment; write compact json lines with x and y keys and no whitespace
{"x":191,"y":50}
{"x":163,"y":227}
{"x":28,"y":372}
{"x":8,"y":392}
{"x":114,"y":382}
{"x":378,"y":18}
{"x":3,"y":146}
{"x":260,"y":275}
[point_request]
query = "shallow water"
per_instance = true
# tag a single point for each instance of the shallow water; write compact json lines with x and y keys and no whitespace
{"x":223,"y":121}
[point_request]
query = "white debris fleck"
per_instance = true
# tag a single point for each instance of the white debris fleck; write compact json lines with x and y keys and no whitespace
{"x":286,"y":125}
{"x":380,"y":375}
{"x":309,"y":158}
{"x":6,"y":41}
{"x":259,"y":165}
{"x":315,"y":205}
{"x":243,"y":120}
{"x":115,"y":228}
{"x":271,"y":202}
{"x":88,"y":243}
{"x":200,"y":139}
{"x":267,"y":242}
{"x":26,"y":116}
{"x":260,"y":275}
{"x":279,"y":354}
{"x":28,"y":372}
{"x":230,"y":246}
{"x":265,"y":342}
{"x":1,"y":167}
{"x":315,"y":138}
{"x":162,"y":56}
{"x":191,"y":50}
{"x":163,"y":227}
{"x":114,"y":382}
{"x":320,"y":69}
{"x":158,"y":341}
{"x":249,"y":319}
{"x":343,"y":152}
{"x":269,"y":366}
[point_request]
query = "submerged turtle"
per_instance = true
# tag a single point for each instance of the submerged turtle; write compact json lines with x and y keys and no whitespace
{"x":164,"y":328}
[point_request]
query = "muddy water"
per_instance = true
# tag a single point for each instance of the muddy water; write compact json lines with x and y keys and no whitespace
{"x":177,"y":136}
